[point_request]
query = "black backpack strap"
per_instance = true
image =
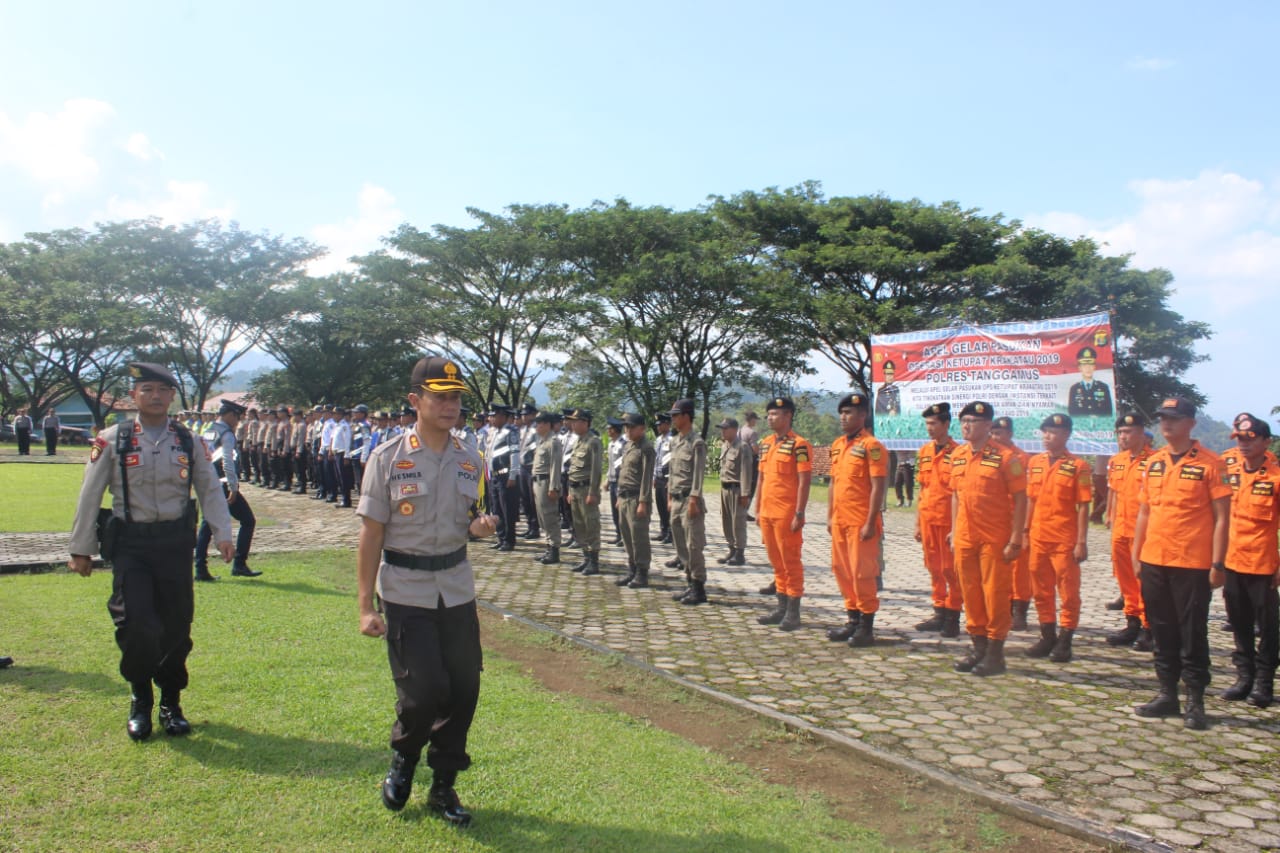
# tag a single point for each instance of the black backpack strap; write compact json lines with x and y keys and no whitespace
{"x":124,"y":444}
{"x":188,"y":447}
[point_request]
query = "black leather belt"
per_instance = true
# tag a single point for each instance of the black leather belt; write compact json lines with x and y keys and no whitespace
{"x":436,"y":563}
{"x":581,"y":484}
{"x":679,"y":495}
{"x":628,"y":493}
{"x":148,"y":529}
{"x":730,"y":486}
{"x":541,"y":478}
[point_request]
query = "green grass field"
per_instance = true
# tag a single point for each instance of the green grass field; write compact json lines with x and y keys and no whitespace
{"x":37,"y":498}
{"x":291,"y":708}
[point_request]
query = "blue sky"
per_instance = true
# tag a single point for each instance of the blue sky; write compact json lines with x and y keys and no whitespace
{"x":1149,"y":126}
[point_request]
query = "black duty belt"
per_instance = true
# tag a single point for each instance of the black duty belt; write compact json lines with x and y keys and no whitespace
{"x":150,"y":529}
{"x":435,"y":563}
{"x":541,"y":478}
{"x":730,"y":486}
{"x":579,"y":484}
{"x":680,"y":495}
{"x":628,"y":493}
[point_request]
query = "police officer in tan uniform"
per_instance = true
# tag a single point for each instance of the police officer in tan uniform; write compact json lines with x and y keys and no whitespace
{"x":635,"y":500}
{"x":585,"y":462}
{"x":418,"y":505}
{"x":545,"y":467}
{"x":737,"y":488}
{"x":152,"y":595}
{"x":688,"y":509}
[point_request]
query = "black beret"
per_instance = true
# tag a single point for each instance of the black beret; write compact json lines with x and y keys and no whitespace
{"x":1003,"y":423}
{"x":1057,"y":421}
{"x":146,"y":371}
{"x":978,"y":409}
{"x":853,"y":401}
{"x":1139,"y":420}
{"x":938,"y":410}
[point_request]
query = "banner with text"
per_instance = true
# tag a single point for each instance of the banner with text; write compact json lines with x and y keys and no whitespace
{"x":1026,"y":371}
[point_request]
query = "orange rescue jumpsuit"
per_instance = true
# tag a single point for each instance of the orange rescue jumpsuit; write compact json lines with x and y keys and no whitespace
{"x":1124,"y":478}
{"x":782,"y":460}
{"x":984,"y":483}
{"x":933,"y":516}
{"x":1058,"y":488}
{"x":855,"y":562}
{"x":1022,"y":587}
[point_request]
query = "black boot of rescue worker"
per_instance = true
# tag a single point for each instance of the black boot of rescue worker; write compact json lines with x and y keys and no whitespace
{"x":171,"y":717}
{"x":1018,"y":612}
{"x":1145,"y":642}
{"x":140,"y":705}
{"x":771,"y":589}
{"x":1164,"y":705}
{"x":934,"y":622}
{"x":951,"y":624}
{"x":976,"y":654}
{"x":865,"y":635}
{"x":1128,"y":634}
{"x":1048,"y":639}
{"x":1062,"y":647}
{"x":992,"y":662}
{"x":1239,"y":690}
{"x":845,"y":631}
{"x":776,"y":615}
{"x":1195,"y":717}
{"x":443,"y":800}
{"x":791,"y":620}
{"x":398,"y":784}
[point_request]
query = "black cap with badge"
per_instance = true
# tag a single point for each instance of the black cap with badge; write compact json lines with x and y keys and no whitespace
{"x":146,"y":371}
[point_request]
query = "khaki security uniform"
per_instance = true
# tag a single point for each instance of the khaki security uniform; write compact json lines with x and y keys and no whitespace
{"x":737,"y":480}
{"x":547,"y":464}
{"x":584,"y":479}
{"x":689,"y":533}
{"x":635,"y":487}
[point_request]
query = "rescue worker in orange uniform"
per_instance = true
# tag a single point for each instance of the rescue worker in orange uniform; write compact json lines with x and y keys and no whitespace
{"x":1231,"y":462}
{"x":987,"y":536}
{"x":1002,"y":433}
{"x":782,"y":493}
{"x":1180,"y":545}
{"x":1253,"y":564}
{"x":933,"y":521}
{"x":1059,"y":491}
{"x":1124,"y":477}
{"x":859,"y":477}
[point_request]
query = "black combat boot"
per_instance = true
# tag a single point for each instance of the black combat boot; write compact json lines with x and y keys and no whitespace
{"x":951,"y":627}
{"x":443,"y":800}
{"x":791,"y":621}
{"x":593,"y":564}
{"x":688,"y":588}
{"x":1145,"y":642}
{"x":776,"y":615}
{"x":674,"y":563}
{"x":1195,"y":717}
{"x":1164,"y":705}
{"x":934,"y":622}
{"x":1118,"y":604}
{"x":1048,"y":639}
{"x":241,"y":569}
{"x":1263,"y":693}
{"x":992,"y":662}
{"x":586,"y":561}
{"x":727,"y":557}
{"x":399,"y":782}
{"x":1062,"y":647}
{"x":976,"y":654}
{"x":1128,"y":634}
{"x":865,"y":635}
{"x":140,"y":705}
{"x":172,"y":719}
{"x":697,"y":594}
{"x":1018,"y":612}
{"x":551,"y":557}
{"x":739,"y":558}
{"x":641,"y":580}
{"x":630,"y":576}
{"x":845,"y":631}
{"x":771,"y":589}
{"x":1244,"y":684}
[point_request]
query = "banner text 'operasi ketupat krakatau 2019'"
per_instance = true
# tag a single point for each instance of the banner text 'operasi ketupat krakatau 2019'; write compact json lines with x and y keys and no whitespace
{"x":1026,"y":371}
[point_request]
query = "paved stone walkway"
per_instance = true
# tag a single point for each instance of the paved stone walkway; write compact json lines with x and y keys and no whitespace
{"x":1061,"y":736}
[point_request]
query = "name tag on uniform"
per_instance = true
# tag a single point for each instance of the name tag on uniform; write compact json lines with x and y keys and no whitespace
{"x":991,"y":460}
{"x":957,"y":461}
{"x":1191,"y":472}
{"x":132,"y":460}
{"x":1118,"y":468}
{"x":859,"y":451}
{"x":1265,"y":488}
{"x":1037,"y":470}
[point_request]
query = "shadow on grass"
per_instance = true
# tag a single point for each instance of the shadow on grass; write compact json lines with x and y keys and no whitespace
{"x":231,"y":747}
{"x":522,"y":831}
{"x":293,"y":587}
{"x":45,"y":679}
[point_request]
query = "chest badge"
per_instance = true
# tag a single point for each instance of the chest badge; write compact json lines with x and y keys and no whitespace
{"x":406,"y":508}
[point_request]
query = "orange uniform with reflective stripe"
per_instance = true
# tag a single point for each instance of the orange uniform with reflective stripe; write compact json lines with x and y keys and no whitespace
{"x":1179,"y":497}
{"x":855,"y":561}
{"x":1124,"y":479}
{"x":984,"y":483}
{"x":782,"y":460}
{"x":1058,"y":487}
{"x":1255,"y":519}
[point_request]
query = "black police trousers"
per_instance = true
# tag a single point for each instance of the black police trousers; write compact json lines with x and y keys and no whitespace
{"x":436,"y":661}
{"x":1252,"y":601}
{"x":506,"y":504}
{"x":241,"y":512}
{"x":1177,"y":604}
{"x":152,"y":603}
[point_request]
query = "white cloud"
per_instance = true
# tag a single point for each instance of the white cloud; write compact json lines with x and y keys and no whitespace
{"x":1218,"y":233}
{"x":140,"y":146}
{"x":1149,"y":63}
{"x":377,"y":215}
{"x":185,"y":201}
{"x":54,"y":150}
